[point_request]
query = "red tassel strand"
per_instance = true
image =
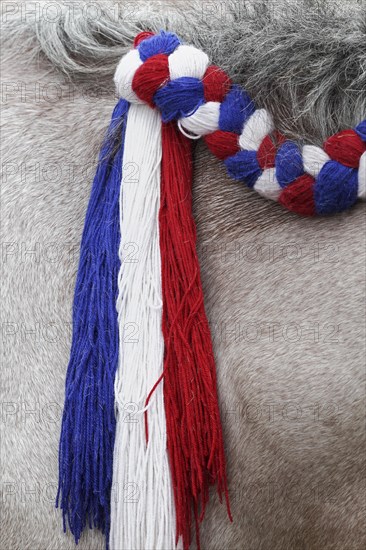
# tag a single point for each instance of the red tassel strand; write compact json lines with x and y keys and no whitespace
{"x":194,"y":433}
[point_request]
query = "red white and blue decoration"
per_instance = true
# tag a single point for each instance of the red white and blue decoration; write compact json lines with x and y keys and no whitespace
{"x":141,"y":440}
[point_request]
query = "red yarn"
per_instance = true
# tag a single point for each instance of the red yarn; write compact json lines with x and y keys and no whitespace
{"x":142,"y":36}
{"x":194,"y":434}
{"x":216,"y":84}
{"x":150,"y":76}
{"x":345,"y":147}
{"x":299,"y":196}
{"x":223,"y":144}
{"x":267,"y":151}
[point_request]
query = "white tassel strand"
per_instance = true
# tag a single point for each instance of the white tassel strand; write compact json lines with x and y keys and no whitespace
{"x":143,"y":514}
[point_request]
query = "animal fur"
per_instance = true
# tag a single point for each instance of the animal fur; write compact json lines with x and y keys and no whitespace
{"x":288,"y":321}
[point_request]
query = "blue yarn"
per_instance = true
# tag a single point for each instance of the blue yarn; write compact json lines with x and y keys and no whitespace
{"x":244,"y":166}
{"x":236,"y":108}
{"x":289,"y":163}
{"x":165,"y":42}
{"x":335,"y":188}
{"x":88,"y":424}
{"x":361,"y":130}
{"x":179,"y":98}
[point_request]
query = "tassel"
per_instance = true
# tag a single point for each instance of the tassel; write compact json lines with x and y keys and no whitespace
{"x":141,"y":340}
{"x":88,"y":424}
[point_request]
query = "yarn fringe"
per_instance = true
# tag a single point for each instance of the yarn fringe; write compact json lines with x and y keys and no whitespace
{"x":143,"y":514}
{"x":88,"y":424}
{"x":195,"y":443}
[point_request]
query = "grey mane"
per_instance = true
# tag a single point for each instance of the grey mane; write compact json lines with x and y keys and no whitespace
{"x":305,"y":61}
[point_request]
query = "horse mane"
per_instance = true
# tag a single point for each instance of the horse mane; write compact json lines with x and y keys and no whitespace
{"x":303,"y":61}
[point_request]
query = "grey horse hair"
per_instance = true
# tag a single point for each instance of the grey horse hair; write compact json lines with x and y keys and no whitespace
{"x":304,"y":61}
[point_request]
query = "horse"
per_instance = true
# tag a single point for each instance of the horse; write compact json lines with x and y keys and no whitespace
{"x":284,"y":294}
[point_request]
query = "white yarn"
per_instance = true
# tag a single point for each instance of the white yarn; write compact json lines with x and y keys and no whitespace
{"x":314,"y":159}
{"x":255,"y":130}
{"x":142,"y":504}
{"x":124,"y":75}
{"x":267,"y":185}
{"x":188,"y":61}
{"x":204,"y":121}
{"x":362,"y":178}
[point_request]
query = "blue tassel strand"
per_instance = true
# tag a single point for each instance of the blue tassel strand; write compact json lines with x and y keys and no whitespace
{"x":88,"y":424}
